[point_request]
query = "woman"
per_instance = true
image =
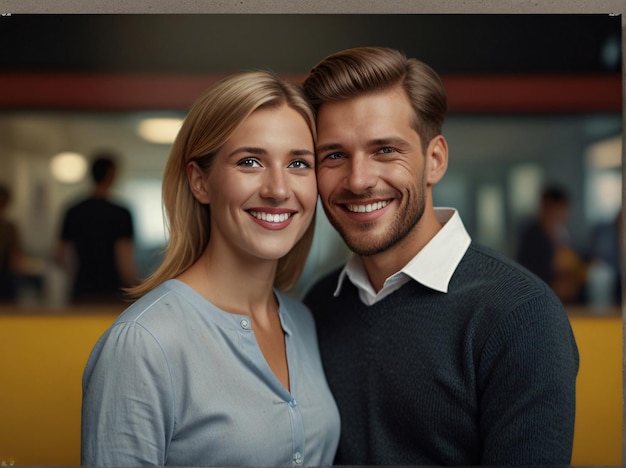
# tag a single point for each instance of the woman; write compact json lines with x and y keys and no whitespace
{"x":212,"y":365}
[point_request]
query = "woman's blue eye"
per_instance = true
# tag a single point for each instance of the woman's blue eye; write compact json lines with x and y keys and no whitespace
{"x":248,"y":162}
{"x":299,"y":164}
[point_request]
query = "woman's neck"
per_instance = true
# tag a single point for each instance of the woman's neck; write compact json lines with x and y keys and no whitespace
{"x":245,"y":287}
{"x":235,"y":285}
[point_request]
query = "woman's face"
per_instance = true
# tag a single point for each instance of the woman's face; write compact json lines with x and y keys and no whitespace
{"x":261,"y":186}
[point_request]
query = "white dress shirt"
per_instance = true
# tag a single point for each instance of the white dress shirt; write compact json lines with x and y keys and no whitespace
{"x":433,"y":266}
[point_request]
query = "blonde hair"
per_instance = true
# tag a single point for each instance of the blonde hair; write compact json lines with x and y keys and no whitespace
{"x":211,"y":121}
{"x":362,"y":70}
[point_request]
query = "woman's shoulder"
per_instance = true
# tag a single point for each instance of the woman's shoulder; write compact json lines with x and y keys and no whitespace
{"x":293,"y":307}
{"x":157,"y":307}
{"x":290,"y":302}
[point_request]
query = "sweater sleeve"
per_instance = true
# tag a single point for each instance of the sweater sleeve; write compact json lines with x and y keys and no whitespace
{"x":127,"y":412}
{"x":527,"y":382}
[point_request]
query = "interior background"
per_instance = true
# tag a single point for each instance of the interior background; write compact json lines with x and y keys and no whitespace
{"x":530,"y":96}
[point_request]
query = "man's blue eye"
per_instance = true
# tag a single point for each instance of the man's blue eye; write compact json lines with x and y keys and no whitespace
{"x":387,"y":150}
{"x":334,"y":156}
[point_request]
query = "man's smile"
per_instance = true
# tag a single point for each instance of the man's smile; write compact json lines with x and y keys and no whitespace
{"x":367,"y":208}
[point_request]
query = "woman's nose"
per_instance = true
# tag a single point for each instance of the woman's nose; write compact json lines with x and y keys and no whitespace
{"x":275,"y":184}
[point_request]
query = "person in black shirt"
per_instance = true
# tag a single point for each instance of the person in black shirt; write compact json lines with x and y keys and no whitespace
{"x":96,"y":242}
{"x":545,"y":249}
{"x":10,"y":250}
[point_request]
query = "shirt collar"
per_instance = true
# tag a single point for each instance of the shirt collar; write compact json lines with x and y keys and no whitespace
{"x":433,"y":266}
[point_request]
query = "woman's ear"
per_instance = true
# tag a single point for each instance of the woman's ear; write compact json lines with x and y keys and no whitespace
{"x":197,"y":182}
{"x":436,"y":159}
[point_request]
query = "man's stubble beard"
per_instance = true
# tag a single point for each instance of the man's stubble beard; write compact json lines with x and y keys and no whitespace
{"x":401,"y":226}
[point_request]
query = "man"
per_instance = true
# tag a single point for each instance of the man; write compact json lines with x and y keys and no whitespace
{"x":438,"y":351}
{"x":11,"y":253}
{"x":545,"y":250}
{"x":96,"y":243}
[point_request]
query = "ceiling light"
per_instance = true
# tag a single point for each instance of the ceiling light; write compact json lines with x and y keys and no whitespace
{"x":159,"y":130}
{"x":68,"y":167}
{"x":606,"y":154}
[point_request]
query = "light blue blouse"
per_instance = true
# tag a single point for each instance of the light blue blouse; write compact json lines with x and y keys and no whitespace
{"x":177,"y":381}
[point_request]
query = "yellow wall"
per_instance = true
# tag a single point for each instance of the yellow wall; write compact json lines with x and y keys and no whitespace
{"x":42,"y":359}
{"x":41,"y":364}
{"x":598,"y":430}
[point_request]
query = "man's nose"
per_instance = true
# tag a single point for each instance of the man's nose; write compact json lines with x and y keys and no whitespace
{"x":362,"y":174}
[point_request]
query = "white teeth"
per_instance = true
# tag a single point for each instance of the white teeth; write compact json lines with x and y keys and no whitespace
{"x":368,"y":208}
{"x":271,"y":218}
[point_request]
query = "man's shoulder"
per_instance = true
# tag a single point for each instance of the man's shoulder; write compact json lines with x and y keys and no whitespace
{"x":493,"y":274}
{"x":323,"y":287}
{"x":76,"y":205}
{"x":114,"y":205}
{"x":480,"y":257}
{"x":93,"y":203}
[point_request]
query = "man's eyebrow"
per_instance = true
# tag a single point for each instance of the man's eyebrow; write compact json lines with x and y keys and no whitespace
{"x":328,"y":147}
{"x":385,"y":141}
{"x":388,"y":141}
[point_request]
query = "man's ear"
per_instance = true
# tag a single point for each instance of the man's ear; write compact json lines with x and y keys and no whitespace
{"x":197,"y":182}
{"x":436,"y":159}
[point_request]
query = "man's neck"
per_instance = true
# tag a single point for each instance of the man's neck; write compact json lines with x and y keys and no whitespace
{"x":381,"y":266}
{"x":100,"y":192}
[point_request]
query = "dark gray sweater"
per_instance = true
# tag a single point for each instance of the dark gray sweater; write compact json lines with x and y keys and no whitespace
{"x":483,"y":374}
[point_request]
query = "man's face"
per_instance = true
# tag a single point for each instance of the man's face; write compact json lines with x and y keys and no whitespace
{"x":371,"y":170}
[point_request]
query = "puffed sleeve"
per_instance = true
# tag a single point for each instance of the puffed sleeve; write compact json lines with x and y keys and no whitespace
{"x":128,"y":395}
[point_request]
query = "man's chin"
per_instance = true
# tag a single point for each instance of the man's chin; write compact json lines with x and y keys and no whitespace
{"x":363,"y":240}
{"x":365,"y":246}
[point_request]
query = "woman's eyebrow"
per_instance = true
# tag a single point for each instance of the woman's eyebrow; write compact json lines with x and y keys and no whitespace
{"x":263,"y":151}
{"x":248,"y":149}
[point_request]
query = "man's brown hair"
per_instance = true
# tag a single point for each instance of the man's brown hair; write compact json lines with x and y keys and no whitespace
{"x":363,"y":70}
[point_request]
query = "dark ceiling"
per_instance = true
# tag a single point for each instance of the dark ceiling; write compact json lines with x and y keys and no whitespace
{"x":292,"y":43}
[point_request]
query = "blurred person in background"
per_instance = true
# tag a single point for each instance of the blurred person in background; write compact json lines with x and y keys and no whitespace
{"x":96,"y":242}
{"x":10,"y":250}
{"x":214,"y":364}
{"x":544,"y":247}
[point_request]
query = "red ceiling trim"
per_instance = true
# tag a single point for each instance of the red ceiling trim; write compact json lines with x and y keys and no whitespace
{"x":534,"y":93}
{"x":466,"y":93}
